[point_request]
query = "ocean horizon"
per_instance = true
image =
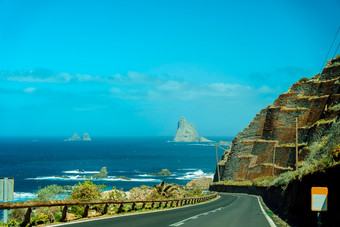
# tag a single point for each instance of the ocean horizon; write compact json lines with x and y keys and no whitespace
{"x":35,"y":162}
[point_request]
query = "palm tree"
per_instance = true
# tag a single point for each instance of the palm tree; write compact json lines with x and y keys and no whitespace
{"x":166,"y":190}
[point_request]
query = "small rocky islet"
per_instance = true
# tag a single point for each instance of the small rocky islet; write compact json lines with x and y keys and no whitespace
{"x":186,"y":132}
{"x":76,"y":137}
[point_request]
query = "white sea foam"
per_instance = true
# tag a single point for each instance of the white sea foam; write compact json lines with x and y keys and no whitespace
{"x":77,"y":171}
{"x":144,"y":175}
{"x":133,"y":179}
{"x":78,"y":177}
{"x":22,"y":196}
{"x":202,"y":144}
{"x":195,"y":175}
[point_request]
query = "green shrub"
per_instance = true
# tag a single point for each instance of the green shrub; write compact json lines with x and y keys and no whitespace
{"x":49,"y":193}
{"x":40,"y":219}
{"x":86,"y":190}
{"x":116,"y":194}
{"x":16,"y":215}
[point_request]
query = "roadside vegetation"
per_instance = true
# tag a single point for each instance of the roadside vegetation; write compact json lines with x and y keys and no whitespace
{"x":87,"y":190}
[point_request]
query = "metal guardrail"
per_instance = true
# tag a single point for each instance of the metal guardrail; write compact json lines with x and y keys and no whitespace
{"x":86,"y":203}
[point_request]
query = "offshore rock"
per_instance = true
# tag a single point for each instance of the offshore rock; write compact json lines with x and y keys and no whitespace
{"x":163,"y":172}
{"x":186,"y":132}
{"x":267,"y":145}
{"x":75,"y":137}
{"x":86,"y":137}
{"x":102,"y":174}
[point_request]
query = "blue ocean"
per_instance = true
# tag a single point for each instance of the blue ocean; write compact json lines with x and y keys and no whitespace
{"x":37,"y":162}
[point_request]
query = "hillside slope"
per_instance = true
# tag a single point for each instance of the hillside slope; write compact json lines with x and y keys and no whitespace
{"x":315,"y":103}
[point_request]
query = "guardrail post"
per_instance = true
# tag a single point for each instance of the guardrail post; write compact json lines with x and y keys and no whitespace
{"x":105,"y":209}
{"x":27,"y":219}
{"x":86,"y":211}
{"x":143,"y":205}
{"x":133,"y":206}
{"x":64,"y":214}
{"x":152,"y":205}
{"x":166,"y":204}
{"x":120,"y":209}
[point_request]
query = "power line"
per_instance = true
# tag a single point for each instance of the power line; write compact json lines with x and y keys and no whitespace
{"x":336,"y":50}
{"x":336,"y":34}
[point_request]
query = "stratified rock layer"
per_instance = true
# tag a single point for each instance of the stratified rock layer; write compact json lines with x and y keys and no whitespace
{"x":314,"y":102}
{"x":186,"y":132}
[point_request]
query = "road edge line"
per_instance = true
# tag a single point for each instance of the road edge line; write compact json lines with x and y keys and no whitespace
{"x":270,"y":221}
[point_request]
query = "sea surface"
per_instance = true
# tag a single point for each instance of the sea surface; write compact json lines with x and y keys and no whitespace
{"x":37,"y":162}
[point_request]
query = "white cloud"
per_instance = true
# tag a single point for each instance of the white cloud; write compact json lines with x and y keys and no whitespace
{"x":139,"y":86}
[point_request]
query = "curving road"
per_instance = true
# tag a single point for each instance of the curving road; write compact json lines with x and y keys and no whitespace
{"x":229,"y":210}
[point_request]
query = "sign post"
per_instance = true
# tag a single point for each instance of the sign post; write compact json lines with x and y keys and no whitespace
{"x":319,"y":201}
{"x":6,"y":193}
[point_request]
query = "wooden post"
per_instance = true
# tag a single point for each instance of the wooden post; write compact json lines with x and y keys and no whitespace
{"x":296,"y":144}
{"x":217,"y":167}
{"x":86,"y":211}
{"x":105,"y":209}
{"x":120,"y":209}
{"x":64,"y":214}
{"x":27,"y":219}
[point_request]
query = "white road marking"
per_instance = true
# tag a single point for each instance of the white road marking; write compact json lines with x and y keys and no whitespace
{"x":271,"y":222}
{"x":198,"y":215}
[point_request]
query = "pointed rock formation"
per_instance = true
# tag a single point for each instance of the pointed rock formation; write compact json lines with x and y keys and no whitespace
{"x":75,"y":137}
{"x":186,"y":132}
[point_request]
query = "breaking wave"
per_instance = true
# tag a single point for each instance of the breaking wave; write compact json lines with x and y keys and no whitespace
{"x":195,"y":175}
{"x":77,"y":171}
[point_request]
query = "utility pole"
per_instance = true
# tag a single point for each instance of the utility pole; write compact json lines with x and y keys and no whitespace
{"x":217,"y":167}
{"x":296,"y":143}
{"x":273,"y":168}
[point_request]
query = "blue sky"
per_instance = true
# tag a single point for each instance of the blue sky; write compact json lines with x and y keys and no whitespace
{"x":134,"y":68}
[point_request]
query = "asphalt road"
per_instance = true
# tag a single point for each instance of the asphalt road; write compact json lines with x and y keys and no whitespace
{"x":229,"y":210}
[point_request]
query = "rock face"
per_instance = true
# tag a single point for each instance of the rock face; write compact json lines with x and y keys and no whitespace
{"x":315,"y":103}
{"x":75,"y":137}
{"x":203,"y":182}
{"x":186,"y":132}
{"x":102,"y":174}
{"x":86,"y":137}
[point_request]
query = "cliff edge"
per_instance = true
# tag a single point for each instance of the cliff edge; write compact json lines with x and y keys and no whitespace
{"x":267,"y":146}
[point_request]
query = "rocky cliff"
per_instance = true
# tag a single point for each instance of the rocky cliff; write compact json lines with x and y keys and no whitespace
{"x":75,"y":137}
{"x":186,"y":132}
{"x":86,"y":137}
{"x":270,"y":138}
